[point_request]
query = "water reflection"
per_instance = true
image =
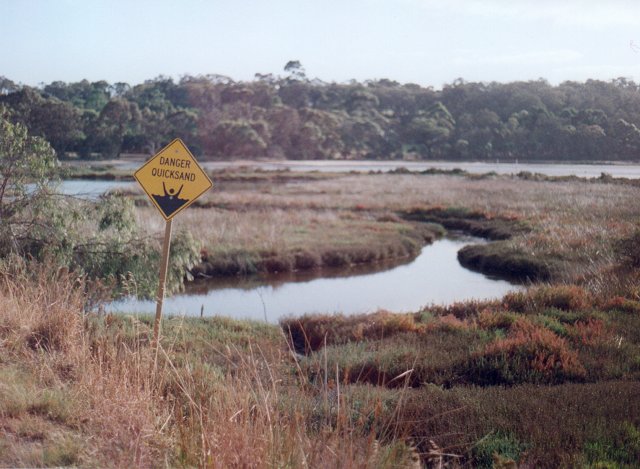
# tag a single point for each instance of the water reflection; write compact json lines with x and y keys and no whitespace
{"x":501,"y":167}
{"x":204,"y":286}
{"x":435,"y":276}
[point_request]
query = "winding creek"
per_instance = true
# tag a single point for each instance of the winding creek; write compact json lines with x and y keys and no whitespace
{"x":434,"y":277}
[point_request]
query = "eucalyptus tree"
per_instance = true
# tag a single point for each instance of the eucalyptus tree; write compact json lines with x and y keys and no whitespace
{"x":27,"y":164}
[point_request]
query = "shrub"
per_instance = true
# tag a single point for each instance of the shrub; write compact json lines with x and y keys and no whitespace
{"x":550,"y":322}
{"x":462,"y":309}
{"x":496,"y":447}
{"x":310,"y":332}
{"x":563,"y":297}
{"x":621,"y":304}
{"x":529,"y":354}
{"x":587,"y":332}
{"x":496,"y":319}
{"x":451,"y":322}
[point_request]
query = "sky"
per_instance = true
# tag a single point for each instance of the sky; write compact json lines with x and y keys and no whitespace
{"x":428,"y":42}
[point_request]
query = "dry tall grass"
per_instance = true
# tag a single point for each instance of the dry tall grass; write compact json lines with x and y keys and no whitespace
{"x":80,"y":390}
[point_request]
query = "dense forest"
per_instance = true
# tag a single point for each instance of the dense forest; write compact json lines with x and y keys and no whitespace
{"x":295,"y":117}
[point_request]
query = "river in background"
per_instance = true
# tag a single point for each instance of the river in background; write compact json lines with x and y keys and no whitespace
{"x":434,"y":277}
{"x":550,"y":169}
{"x":92,"y":189}
{"x":631,"y":171}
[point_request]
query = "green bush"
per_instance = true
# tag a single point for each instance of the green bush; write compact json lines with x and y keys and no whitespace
{"x":622,"y":449}
{"x":499,"y":444}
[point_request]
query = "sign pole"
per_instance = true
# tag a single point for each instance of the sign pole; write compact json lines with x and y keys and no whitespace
{"x":164,"y":264}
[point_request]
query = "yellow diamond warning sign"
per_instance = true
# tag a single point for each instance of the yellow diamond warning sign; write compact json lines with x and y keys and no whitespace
{"x":172,"y":179}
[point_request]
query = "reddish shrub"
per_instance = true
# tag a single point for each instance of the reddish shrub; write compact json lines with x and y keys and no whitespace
{"x":310,"y":332}
{"x":451,"y":322}
{"x":565,"y":297}
{"x":529,"y":354}
{"x":618,"y":303}
{"x":589,"y":332}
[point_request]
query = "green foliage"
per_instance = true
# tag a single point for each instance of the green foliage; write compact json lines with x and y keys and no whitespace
{"x":620,"y":449}
{"x":98,"y":239}
{"x":116,"y":252}
{"x":27,"y":165}
{"x":494,"y":447}
{"x":185,"y":254}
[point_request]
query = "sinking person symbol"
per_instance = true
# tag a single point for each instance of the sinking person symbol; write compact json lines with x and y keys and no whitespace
{"x":170,"y":201}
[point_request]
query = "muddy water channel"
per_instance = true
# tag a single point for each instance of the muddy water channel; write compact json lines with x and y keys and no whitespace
{"x":435,"y":276}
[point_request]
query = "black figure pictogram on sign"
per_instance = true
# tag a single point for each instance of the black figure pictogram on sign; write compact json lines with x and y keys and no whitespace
{"x":170,"y":201}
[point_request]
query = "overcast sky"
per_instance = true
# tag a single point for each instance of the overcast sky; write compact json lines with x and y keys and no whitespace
{"x":429,"y":42}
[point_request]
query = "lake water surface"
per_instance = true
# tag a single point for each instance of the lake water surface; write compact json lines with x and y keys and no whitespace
{"x":94,"y":188}
{"x":627,"y":170}
{"x":434,"y":277}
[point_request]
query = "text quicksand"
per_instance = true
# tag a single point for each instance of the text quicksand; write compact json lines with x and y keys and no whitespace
{"x":174,"y":173}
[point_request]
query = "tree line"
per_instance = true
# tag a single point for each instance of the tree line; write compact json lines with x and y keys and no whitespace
{"x":294,"y":117}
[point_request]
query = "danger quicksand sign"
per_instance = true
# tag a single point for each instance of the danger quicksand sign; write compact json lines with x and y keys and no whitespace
{"x":172,"y":179}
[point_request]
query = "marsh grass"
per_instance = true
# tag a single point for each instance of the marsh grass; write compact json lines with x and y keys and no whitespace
{"x":382,"y":390}
{"x":545,"y":378}
{"x":570,"y":231}
{"x":88,"y":390}
{"x":526,"y":377}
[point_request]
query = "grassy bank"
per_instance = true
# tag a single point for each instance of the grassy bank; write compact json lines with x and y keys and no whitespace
{"x":564,"y":229}
{"x":546,"y":378}
{"x":573,"y":228}
{"x":82,"y":391}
